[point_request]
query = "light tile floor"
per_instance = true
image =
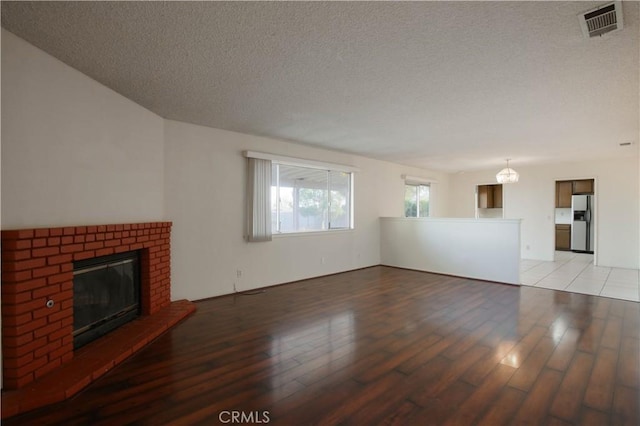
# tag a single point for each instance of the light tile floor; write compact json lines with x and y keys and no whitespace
{"x":576,"y":273}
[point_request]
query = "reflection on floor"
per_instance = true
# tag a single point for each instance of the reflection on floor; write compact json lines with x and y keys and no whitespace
{"x":575,"y":272}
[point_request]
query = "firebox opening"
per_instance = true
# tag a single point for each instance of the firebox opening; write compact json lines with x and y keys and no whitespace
{"x":106,"y":295}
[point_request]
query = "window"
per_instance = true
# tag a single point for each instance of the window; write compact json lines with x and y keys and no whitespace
{"x":287,"y":195}
{"x":308,"y":199}
{"x":416,"y":200}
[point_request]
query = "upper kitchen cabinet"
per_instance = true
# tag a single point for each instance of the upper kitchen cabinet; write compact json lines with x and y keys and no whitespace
{"x":497,"y":196}
{"x":564,"y":191}
{"x":490,"y":196}
{"x":584,"y":186}
{"x":566,"y":188}
{"x":485,"y":197}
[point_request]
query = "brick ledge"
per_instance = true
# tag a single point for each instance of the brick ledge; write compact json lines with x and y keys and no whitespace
{"x":94,"y":360}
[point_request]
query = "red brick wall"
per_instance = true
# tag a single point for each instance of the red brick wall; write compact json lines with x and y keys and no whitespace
{"x":37,"y":266}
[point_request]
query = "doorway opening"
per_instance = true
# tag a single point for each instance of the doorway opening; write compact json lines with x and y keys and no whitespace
{"x":575,"y":216}
{"x":489,"y":201}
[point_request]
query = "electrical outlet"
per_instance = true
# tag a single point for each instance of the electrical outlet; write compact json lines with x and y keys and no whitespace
{"x":323,"y":260}
{"x":528,"y":247}
{"x":239,"y":273}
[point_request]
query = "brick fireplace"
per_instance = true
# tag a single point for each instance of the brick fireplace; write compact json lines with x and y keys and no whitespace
{"x":37,"y":288}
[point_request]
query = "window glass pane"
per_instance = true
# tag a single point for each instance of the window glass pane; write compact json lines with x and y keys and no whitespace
{"x":309,"y":199}
{"x":410,"y":201}
{"x":274,"y":209}
{"x":286,"y":209}
{"x":303,"y":199}
{"x":423,"y":196}
{"x":340,"y":216}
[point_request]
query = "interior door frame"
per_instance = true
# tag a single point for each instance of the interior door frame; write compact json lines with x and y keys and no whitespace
{"x":596,"y":213}
{"x":476,"y":199}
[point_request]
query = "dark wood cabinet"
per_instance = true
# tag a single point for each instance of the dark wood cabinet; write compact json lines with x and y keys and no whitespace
{"x":563,"y":237}
{"x":564,"y":190}
{"x":497,"y":196}
{"x":584,"y":186}
{"x":490,"y":196}
{"x":485,"y":197}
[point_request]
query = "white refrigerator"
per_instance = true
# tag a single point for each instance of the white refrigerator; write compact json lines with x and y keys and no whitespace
{"x":582,"y":226}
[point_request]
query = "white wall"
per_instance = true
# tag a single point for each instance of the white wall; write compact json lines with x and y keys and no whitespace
{"x":533,"y":200}
{"x":205,"y":184}
{"x":74,"y":151}
{"x":485,"y":249}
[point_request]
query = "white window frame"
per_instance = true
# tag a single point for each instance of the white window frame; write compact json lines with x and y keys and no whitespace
{"x":278,"y":160}
{"x":417,"y":182}
{"x":417,"y":200}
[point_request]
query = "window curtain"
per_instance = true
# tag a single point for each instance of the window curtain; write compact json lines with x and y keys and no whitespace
{"x":259,"y":200}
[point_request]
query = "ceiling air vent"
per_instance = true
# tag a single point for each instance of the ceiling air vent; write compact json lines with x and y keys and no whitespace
{"x":601,"y":20}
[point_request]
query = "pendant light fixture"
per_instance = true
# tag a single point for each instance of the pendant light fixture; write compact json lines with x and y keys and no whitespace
{"x":507,"y":175}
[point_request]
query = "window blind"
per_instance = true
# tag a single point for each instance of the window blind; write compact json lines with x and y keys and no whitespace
{"x":259,"y":200}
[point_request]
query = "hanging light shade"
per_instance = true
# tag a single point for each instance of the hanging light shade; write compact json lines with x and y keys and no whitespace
{"x":507,"y":175}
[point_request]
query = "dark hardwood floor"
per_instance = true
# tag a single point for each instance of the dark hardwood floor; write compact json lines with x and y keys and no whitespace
{"x":379,"y":346}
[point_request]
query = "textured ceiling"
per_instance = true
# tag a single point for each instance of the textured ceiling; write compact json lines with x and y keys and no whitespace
{"x":444,"y":85}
